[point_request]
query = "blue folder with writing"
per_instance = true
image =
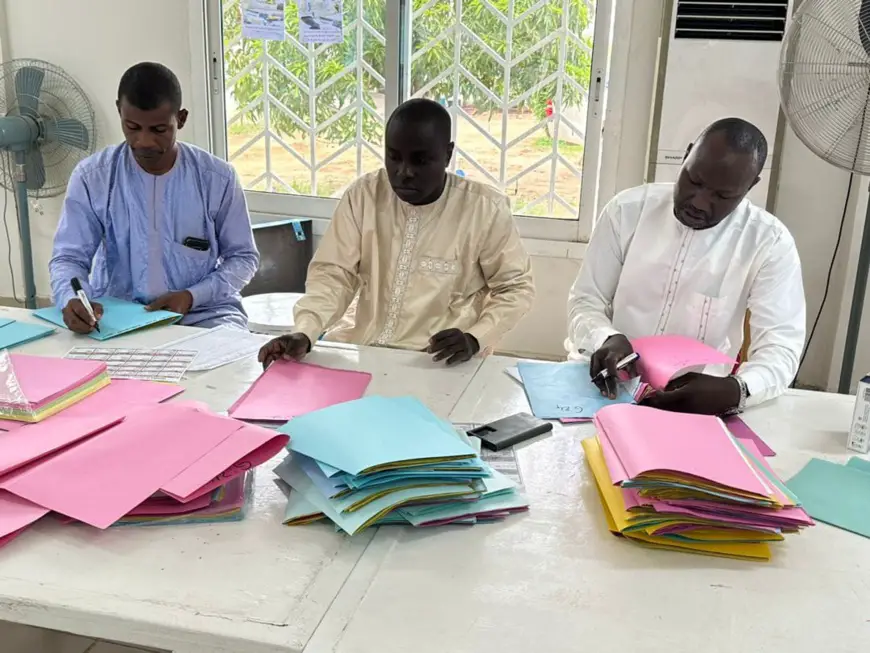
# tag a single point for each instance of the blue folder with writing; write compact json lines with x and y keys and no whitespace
{"x":119,"y":317}
{"x":13,"y":333}
{"x":565,"y":390}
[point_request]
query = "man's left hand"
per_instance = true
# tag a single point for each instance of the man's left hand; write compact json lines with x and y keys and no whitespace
{"x":180,"y":302}
{"x":697,"y":393}
{"x":453,"y":345}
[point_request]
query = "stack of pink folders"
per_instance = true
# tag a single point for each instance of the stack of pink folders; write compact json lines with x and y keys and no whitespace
{"x":156,"y":462}
{"x":33,"y":388}
{"x":684,"y":482}
{"x":289,"y":389}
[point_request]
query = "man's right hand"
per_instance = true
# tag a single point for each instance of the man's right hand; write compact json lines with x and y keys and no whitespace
{"x":293,"y":346}
{"x":76,"y":317}
{"x":614,"y":349}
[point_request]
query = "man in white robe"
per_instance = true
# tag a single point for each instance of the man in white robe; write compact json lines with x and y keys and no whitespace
{"x":690,"y":258}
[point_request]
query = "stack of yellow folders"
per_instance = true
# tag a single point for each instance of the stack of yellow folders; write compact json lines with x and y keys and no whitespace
{"x":379,"y":460}
{"x":33,"y":387}
{"x":683,"y":482}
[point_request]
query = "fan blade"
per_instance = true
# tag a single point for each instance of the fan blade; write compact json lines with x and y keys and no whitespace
{"x":28,"y":85}
{"x":34,"y":170}
{"x":68,"y":131}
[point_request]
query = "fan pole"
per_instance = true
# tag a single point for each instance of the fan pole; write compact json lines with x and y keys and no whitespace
{"x":857,"y":310}
{"x":24,"y":230}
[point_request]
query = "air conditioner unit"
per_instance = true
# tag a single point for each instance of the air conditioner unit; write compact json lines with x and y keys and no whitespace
{"x":722,"y":60}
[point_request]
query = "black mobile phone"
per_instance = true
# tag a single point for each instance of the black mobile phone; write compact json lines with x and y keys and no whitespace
{"x":199,"y":244}
{"x":508,"y":431}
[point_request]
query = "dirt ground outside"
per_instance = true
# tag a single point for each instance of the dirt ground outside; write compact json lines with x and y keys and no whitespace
{"x":472,"y":146}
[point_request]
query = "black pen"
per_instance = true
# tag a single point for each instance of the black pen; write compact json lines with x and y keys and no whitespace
{"x":83,"y":298}
{"x":621,"y":365}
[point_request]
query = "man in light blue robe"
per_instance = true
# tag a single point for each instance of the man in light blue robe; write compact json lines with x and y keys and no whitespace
{"x":152,"y":220}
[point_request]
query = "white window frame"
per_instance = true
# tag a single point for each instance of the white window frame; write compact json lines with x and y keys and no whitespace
{"x":268,"y":207}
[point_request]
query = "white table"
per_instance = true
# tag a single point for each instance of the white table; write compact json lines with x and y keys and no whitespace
{"x":555,"y":580}
{"x":249,"y":587}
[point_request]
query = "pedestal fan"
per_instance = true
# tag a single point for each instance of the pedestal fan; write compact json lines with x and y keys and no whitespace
{"x":46,"y":128}
{"x":824,"y":82}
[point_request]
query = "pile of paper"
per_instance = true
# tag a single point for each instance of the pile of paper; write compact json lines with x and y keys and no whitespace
{"x":145,"y":465}
{"x":378,"y":461}
{"x":684,"y":482}
{"x":33,"y":388}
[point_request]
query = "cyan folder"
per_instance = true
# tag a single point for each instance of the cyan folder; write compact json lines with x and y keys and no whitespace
{"x":368,"y":514}
{"x":14,"y":333}
{"x":119,"y":317}
{"x":565,"y":390}
{"x":838,"y":495}
{"x":373,"y":434}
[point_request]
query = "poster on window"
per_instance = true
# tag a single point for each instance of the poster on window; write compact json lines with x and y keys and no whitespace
{"x":320,"y":21}
{"x":263,"y":19}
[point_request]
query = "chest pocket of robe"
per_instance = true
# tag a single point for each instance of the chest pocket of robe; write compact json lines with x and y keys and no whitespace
{"x":710,"y":318}
{"x":185,"y":266}
{"x":437,"y":279}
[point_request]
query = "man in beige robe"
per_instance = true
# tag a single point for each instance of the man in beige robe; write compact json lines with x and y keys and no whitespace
{"x":414,"y":257}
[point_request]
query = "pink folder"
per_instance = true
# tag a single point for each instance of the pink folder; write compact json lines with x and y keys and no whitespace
{"x":229,"y":506}
{"x":246,"y":448}
{"x":647,"y":440}
{"x":16,"y":514}
{"x":35,"y":441}
{"x":741,"y":431}
{"x":664,"y":357}
{"x":103,"y":478}
{"x":41,"y":380}
{"x":289,"y":389}
{"x":169,"y":506}
{"x":119,"y":395}
{"x":752,"y":517}
{"x":6,"y":539}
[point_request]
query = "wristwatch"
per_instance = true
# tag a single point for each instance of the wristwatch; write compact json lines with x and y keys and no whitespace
{"x":744,"y":395}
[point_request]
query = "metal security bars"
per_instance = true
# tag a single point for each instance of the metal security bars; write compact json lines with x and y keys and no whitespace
{"x":300,"y":122}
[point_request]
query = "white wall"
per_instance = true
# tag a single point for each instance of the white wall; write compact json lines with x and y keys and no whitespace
{"x":95,"y":42}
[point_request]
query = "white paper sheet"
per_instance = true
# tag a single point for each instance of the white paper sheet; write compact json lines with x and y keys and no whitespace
{"x":320,"y":21}
{"x":163,"y":365}
{"x":263,"y":19}
{"x":219,"y":346}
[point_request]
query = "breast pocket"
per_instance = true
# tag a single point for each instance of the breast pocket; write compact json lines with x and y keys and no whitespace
{"x":186,"y":267}
{"x":438,"y":279}
{"x":710,"y":319}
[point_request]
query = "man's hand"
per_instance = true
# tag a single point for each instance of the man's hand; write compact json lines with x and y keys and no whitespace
{"x":453,"y":345}
{"x":293,"y":346}
{"x":614,"y":349}
{"x":698,"y":393}
{"x":76,"y":317}
{"x":179,"y":301}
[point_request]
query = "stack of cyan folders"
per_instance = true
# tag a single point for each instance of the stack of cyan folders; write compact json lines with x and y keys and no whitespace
{"x":378,"y":460}
{"x":683,"y":482}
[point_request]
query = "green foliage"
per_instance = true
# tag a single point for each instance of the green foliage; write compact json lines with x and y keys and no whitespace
{"x":294,"y":68}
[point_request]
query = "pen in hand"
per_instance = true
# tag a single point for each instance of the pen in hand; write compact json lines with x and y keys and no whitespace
{"x":83,"y":298}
